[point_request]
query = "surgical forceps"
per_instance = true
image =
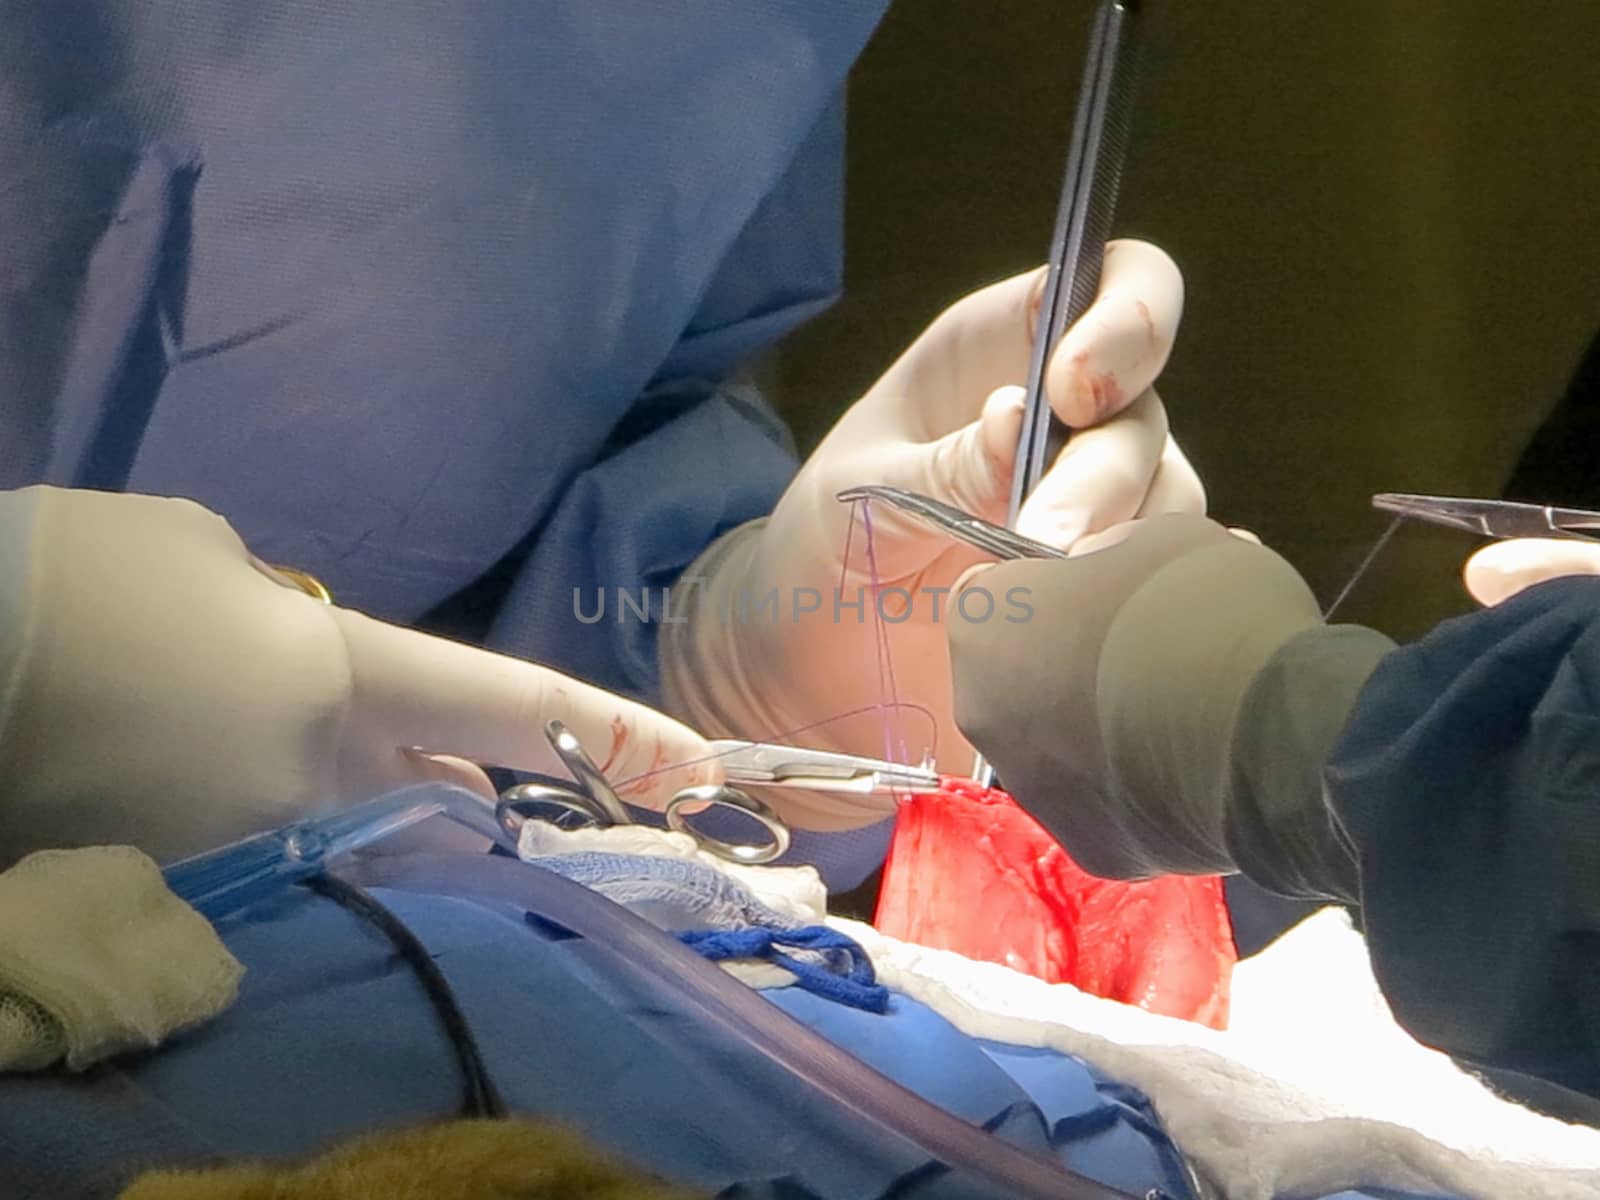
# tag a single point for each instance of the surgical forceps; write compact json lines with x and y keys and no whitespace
{"x":974,"y":531}
{"x":759,"y":763}
{"x":1494,"y":518}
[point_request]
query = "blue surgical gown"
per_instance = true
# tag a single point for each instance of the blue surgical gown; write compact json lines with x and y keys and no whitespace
{"x":443,"y":303}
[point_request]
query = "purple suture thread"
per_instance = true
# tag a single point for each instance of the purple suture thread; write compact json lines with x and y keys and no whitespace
{"x":849,"y":540}
{"x":889,"y":696}
{"x":888,"y":700}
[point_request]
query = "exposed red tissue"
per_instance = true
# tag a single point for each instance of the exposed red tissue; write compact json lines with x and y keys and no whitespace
{"x":970,"y":871}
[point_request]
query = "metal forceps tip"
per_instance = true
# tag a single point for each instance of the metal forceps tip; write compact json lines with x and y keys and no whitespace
{"x":992,"y":539}
{"x":771,"y":765}
{"x":1493,"y":518}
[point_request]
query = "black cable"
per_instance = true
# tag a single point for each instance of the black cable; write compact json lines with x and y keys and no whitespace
{"x":481,"y":1098}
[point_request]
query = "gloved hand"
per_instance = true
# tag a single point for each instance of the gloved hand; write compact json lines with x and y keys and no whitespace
{"x":1090,"y":710}
{"x":943,"y":421}
{"x":162,"y":688}
{"x":1501,"y":570}
{"x":1168,"y":704}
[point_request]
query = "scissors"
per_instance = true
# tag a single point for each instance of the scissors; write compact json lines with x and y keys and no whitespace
{"x":1494,"y":518}
{"x":744,"y":762}
{"x":951,"y":521}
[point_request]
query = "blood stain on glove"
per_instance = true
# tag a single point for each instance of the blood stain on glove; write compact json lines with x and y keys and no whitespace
{"x":1149,"y":324}
{"x":1106,"y":395}
{"x":619,"y":742}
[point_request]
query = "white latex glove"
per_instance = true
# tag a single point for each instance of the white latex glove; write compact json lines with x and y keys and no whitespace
{"x":1502,"y":569}
{"x":161,"y":688}
{"x":943,"y":421}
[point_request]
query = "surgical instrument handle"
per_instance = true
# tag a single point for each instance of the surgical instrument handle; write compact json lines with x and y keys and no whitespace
{"x":1083,"y":226}
{"x":1078,"y":246}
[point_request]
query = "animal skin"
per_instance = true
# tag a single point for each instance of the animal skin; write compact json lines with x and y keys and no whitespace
{"x":458,"y":1160}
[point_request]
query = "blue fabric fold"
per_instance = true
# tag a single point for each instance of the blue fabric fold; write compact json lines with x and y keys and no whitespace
{"x":386,"y":284}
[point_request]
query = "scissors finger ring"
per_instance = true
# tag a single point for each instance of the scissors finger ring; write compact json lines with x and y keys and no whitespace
{"x":727,"y":797}
{"x":523,"y":802}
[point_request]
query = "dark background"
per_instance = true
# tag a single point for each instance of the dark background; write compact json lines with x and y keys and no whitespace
{"x":1385,"y":214}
